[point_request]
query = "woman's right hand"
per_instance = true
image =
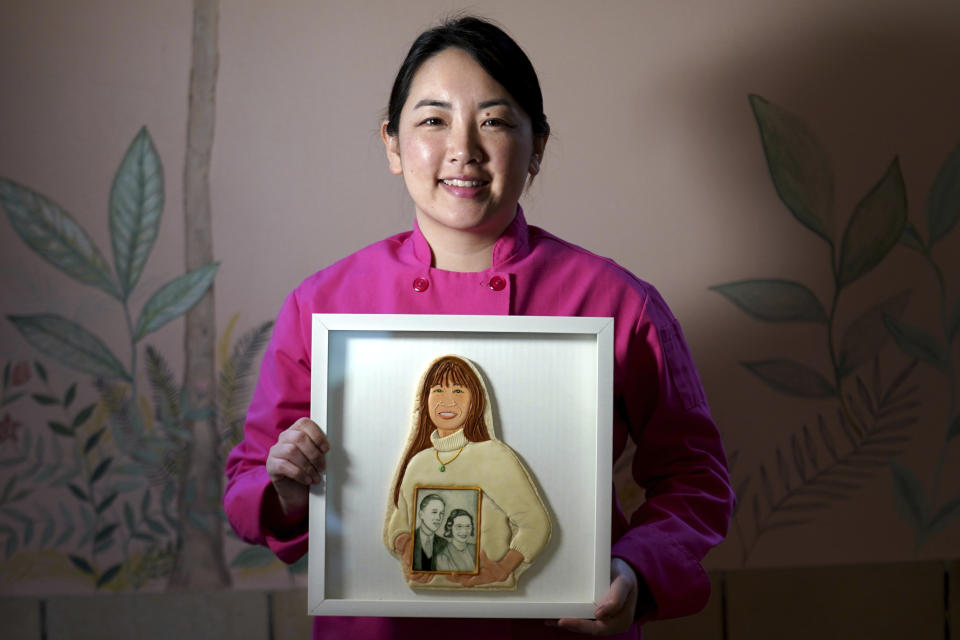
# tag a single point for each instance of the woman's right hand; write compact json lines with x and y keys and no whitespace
{"x":294,"y":463}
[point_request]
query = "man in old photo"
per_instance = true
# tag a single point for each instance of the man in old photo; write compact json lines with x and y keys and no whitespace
{"x":428,"y":542}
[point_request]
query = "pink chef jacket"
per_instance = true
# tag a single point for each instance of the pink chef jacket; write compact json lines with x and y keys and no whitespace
{"x":658,"y":401}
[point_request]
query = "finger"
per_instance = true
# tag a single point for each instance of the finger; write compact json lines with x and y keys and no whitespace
{"x":296,"y":456}
{"x":314,"y":432}
{"x":578,"y":625}
{"x":312,"y":455}
{"x":617,"y":597}
{"x":282,"y":468}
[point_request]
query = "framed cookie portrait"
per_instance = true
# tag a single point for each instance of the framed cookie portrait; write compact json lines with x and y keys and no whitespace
{"x":458,"y":524}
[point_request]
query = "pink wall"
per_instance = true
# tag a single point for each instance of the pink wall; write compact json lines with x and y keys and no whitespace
{"x":655,"y":161}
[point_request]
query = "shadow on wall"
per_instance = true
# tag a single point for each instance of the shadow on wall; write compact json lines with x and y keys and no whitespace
{"x":858,"y":126}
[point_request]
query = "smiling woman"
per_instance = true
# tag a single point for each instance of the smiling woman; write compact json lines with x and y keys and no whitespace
{"x":465,"y":148}
{"x":465,"y":128}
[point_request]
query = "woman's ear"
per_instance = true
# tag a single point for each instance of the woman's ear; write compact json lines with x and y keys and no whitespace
{"x":391,"y":145}
{"x":539,"y":144}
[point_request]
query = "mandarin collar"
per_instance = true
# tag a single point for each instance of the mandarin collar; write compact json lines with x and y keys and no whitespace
{"x":512,"y":245}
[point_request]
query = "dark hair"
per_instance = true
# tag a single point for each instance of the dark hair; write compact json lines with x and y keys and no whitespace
{"x":493,"y":50}
{"x":448,"y":526}
{"x":430,"y":498}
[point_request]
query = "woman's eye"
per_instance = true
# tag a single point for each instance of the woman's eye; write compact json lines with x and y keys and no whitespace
{"x":438,"y":390}
{"x":495,"y":122}
{"x":458,"y":390}
{"x":431,"y":122}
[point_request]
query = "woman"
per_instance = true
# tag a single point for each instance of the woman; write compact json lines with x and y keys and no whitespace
{"x":452,"y":444}
{"x":460,"y":554}
{"x":465,"y":128}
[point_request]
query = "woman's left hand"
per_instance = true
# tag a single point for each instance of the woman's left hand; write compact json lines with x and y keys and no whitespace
{"x":615,"y":612}
{"x":491,"y":571}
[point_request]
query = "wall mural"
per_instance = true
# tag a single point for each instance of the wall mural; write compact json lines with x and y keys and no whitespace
{"x":876,"y":403}
{"x":122,"y":491}
{"x":95,"y":491}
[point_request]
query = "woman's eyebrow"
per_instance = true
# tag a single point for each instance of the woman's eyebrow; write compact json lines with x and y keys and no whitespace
{"x":496,"y":102}
{"x":486,"y":104}
{"x":433,"y":103}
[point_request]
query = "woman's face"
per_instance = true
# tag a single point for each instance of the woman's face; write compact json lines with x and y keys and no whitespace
{"x":461,"y":528}
{"x":449,"y":405}
{"x":464,"y":147}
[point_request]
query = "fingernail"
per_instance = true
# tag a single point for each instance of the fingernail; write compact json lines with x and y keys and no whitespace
{"x":325,"y":447}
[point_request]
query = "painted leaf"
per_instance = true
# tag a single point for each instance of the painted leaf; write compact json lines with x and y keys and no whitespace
{"x":136,"y":205}
{"x":799,"y":167}
{"x":83,"y":415}
{"x":875,"y":227}
{"x":69,"y":396}
{"x":128,"y":517}
{"x":44,"y":399}
{"x":908,"y":493}
{"x":77,"y":491}
{"x":774,"y":300}
{"x":174,"y":299}
{"x":108,"y":575}
{"x":60,"y":428}
{"x":101,"y":469}
{"x":81,"y":564}
{"x":792,"y":378}
{"x":866,"y":335}
{"x":943,"y":203}
{"x":54,"y":235}
{"x":154,"y":526}
{"x":911,"y":239}
{"x":253,"y":558}
{"x":93,"y":440}
{"x":299,"y":567}
{"x":105,"y":533}
{"x":918,"y":343}
{"x":70,"y":344}
{"x":948,"y":512}
{"x":106,"y":502}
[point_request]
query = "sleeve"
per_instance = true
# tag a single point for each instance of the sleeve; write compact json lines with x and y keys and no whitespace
{"x":679,"y":461}
{"x":513,"y":491}
{"x":282,"y":396}
{"x":397,"y":520}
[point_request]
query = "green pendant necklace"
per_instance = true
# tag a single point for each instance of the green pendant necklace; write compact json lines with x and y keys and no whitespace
{"x":443,"y":465}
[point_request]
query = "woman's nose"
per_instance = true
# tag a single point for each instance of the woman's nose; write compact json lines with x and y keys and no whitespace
{"x":464,"y":145}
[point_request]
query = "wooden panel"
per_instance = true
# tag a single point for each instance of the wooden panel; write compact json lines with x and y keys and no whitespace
{"x":20,"y":618}
{"x":226,"y":615}
{"x":706,"y":625}
{"x":866,"y":601}
{"x":289,"y":614}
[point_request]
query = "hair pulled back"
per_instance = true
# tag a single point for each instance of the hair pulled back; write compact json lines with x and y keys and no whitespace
{"x":494,"y":50}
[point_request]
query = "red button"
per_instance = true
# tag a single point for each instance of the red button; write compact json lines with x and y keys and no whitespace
{"x":421,"y":284}
{"x":497,"y":283}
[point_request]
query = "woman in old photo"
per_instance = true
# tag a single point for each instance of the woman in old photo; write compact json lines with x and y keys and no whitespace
{"x":460,"y":554}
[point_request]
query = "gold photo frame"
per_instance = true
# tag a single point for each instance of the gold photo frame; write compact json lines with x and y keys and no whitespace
{"x":459,"y":553}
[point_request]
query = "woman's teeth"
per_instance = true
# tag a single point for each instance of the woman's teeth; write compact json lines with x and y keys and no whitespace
{"x":463,"y":183}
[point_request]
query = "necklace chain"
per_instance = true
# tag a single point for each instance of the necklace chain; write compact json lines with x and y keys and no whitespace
{"x":443,"y":465}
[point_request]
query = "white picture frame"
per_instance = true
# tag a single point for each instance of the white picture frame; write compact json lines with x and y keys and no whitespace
{"x":552,"y":373}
